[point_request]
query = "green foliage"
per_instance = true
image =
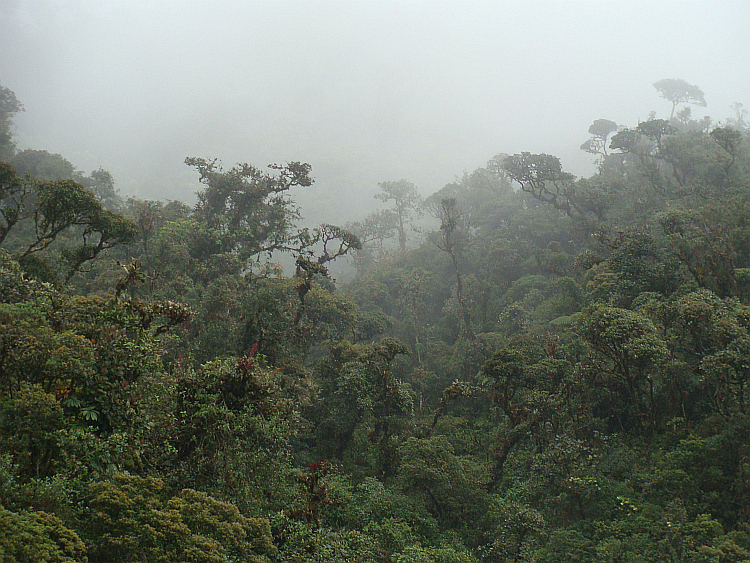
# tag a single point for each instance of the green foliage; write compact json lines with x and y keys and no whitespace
{"x":235,"y":420}
{"x":542,"y":176}
{"x":245,"y":209}
{"x":360,"y":394}
{"x":634,"y":352}
{"x":450,"y":486}
{"x":28,"y":424}
{"x":15,"y":286}
{"x":710,"y":242}
{"x":626,"y":338}
{"x":637,"y":264}
{"x":71,"y":408}
{"x":600,"y":130}
{"x":521,"y":529}
{"x":32,"y":537}
{"x":54,"y":207}
{"x":101,"y":183}
{"x":568,"y":546}
{"x":447,"y":554}
{"x":371,"y":503}
{"x":572,"y":385}
{"x":300,"y":543}
{"x":37,"y":352}
{"x":43,"y":165}
{"x":132,"y":518}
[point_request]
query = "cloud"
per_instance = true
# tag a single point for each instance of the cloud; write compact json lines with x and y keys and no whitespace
{"x":364,"y":91}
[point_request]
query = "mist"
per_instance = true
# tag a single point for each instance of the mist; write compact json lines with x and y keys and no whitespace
{"x":365,"y":92}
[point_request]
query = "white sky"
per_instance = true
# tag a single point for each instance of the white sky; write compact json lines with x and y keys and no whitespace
{"x":364,"y":91}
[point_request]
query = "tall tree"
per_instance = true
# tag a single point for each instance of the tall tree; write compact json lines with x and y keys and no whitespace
{"x":679,"y":92}
{"x":542,"y":176}
{"x":43,"y":165}
{"x":406,"y":203}
{"x":600,"y":130}
{"x":15,"y":192}
{"x":54,"y":207}
{"x":9,"y":106}
{"x":247,"y":211}
{"x":449,"y":241}
{"x":101,"y":183}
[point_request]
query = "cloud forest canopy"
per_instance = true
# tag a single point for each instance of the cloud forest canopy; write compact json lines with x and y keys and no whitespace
{"x":526,"y":366}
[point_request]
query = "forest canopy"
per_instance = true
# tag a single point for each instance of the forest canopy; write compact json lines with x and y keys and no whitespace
{"x":523,"y":366}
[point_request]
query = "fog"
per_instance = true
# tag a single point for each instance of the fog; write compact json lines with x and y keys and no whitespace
{"x":363,"y":91}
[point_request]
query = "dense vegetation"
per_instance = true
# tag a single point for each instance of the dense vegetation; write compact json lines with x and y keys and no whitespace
{"x":526,"y":367}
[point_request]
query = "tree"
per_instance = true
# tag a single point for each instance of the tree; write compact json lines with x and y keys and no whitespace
{"x":679,"y":92}
{"x":506,"y":374}
{"x":645,"y":141}
{"x":452,"y":487}
{"x":333,"y":242}
{"x":15,"y":193}
{"x":372,"y":232}
{"x":485,"y":195}
{"x":600,"y":130}
{"x":54,"y":207}
{"x":27,"y":537}
{"x":247,"y":211}
{"x":729,"y":371}
{"x":149,"y":216}
{"x":62,"y":204}
{"x":101,"y":183}
{"x":712,"y":242}
{"x":729,"y":140}
{"x":406,"y":203}
{"x":526,"y":387}
{"x":664,"y":156}
{"x":542,"y":176}
{"x":449,"y":241}
{"x":631,"y":343}
{"x":136,"y":519}
{"x":43,"y":165}
{"x":236,"y":419}
{"x":656,"y":130}
{"x":638,"y":263}
{"x":9,"y":106}
{"x":740,"y":119}
{"x":626,"y":141}
{"x":359,"y":392}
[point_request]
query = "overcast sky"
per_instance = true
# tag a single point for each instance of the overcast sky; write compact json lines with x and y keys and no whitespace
{"x":364,"y":91}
